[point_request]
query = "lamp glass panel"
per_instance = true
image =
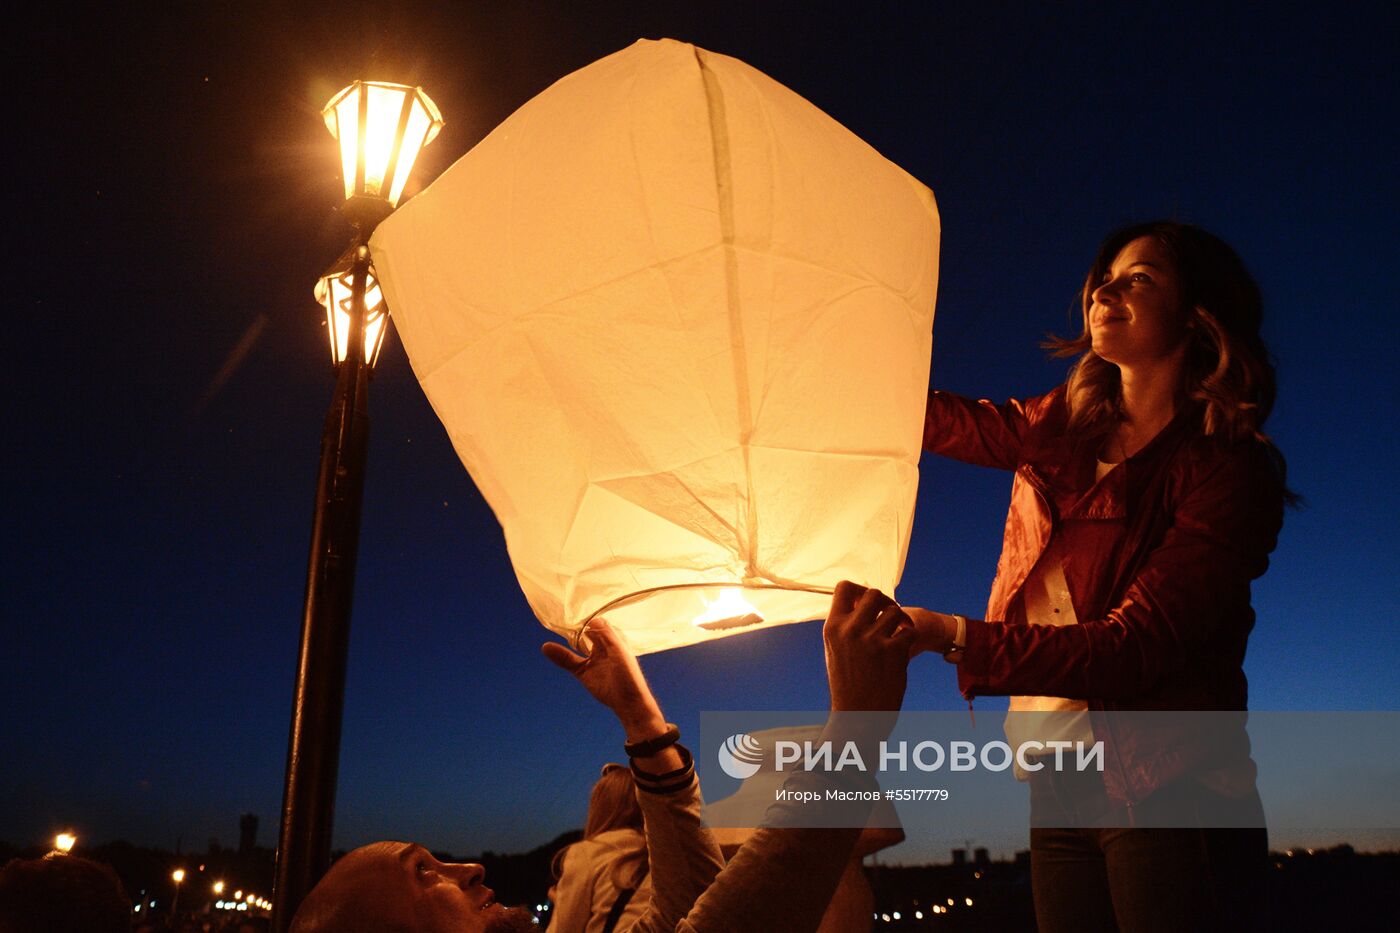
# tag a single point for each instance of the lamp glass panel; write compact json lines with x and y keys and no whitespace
{"x":382,"y":124}
{"x":347,"y":131}
{"x":375,"y":319}
{"x":415,"y":137}
{"x":331,"y":335}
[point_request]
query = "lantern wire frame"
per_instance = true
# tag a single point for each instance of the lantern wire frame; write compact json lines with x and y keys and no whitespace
{"x":381,"y":128}
{"x":335,"y":293}
{"x":737,"y":612}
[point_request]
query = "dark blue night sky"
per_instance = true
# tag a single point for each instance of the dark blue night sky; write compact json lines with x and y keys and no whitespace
{"x":166,"y":376}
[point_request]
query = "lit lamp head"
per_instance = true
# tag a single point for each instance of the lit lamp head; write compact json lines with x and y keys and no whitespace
{"x":64,"y":842}
{"x":336,"y":294}
{"x":381,"y":128}
{"x":177,"y":875}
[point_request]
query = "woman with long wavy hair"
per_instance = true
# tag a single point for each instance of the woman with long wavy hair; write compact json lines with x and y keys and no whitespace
{"x":1146,"y":498}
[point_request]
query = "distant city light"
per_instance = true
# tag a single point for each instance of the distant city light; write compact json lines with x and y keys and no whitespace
{"x":178,"y":875}
{"x":64,"y":842}
{"x":218,"y":887}
{"x":968,"y":901}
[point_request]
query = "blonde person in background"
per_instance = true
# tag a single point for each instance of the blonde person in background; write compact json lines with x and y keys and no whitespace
{"x":602,"y":881}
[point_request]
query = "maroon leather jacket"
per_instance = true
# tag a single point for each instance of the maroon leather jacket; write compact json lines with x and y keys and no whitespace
{"x":1158,"y":556}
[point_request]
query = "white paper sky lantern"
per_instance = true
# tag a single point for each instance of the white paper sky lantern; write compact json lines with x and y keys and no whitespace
{"x":677,"y":323}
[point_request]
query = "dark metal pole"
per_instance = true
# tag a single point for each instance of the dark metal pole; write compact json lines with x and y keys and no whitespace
{"x":313,"y":750}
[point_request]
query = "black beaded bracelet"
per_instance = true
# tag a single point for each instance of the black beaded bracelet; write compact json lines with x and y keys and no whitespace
{"x":648,"y":747}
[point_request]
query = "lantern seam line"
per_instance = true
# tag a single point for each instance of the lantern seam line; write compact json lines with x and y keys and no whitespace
{"x":724,"y":188}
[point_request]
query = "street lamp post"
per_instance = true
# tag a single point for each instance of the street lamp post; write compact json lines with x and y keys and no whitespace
{"x":381,"y":128}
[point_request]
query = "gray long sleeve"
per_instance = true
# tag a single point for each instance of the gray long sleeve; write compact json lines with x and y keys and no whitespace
{"x":781,"y":879}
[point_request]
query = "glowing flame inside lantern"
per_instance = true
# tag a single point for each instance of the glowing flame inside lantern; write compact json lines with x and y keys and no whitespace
{"x":729,"y":611}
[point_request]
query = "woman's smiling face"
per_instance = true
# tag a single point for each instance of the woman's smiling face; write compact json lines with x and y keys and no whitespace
{"x":1135,"y":313}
